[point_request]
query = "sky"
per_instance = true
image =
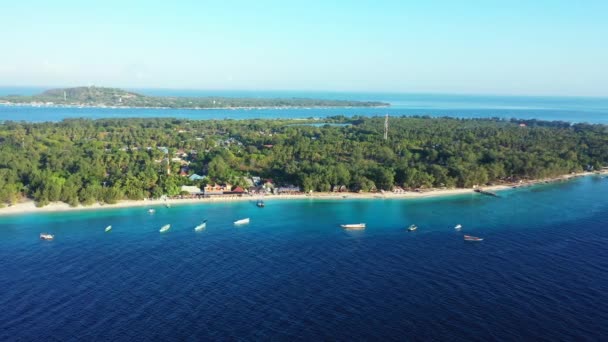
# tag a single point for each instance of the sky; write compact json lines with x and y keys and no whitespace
{"x":476,"y":47}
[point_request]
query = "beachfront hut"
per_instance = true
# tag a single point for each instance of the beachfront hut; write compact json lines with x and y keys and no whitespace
{"x":191,"y":190}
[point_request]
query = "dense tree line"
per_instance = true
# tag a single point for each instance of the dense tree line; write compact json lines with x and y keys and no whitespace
{"x":85,"y":161}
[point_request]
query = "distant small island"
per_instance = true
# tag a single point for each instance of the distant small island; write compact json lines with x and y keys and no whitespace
{"x":114,"y":97}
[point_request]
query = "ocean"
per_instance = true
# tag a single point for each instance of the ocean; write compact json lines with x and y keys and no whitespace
{"x":571,"y":109}
{"x":293,"y":274}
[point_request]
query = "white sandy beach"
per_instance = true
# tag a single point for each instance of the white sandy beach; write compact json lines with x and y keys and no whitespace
{"x":29,"y":206}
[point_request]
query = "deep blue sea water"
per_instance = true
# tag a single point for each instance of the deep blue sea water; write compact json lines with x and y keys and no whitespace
{"x":571,"y":109}
{"x":292,"y":274}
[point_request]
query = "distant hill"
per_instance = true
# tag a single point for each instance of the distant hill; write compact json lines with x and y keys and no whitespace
{"x":114,"y":97}
{"x":89,"y":94}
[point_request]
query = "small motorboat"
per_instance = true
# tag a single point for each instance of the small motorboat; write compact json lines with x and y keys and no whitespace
{"x":260,"y":204}
{"x":151,"y":211}
{"x":167,"y":205}
{"x":108,"y":228}
{"x":201,"y":226}
{"x":458,"y":227}
{"x":353,"y":226}
{"x":412,"y":228}
{"x":472,"y":238}
{"x":46,"y":236}
{"x":243,"y":221}
{"x":165,"y":228}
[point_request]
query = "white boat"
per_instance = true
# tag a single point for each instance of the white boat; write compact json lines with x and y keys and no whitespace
{"x":243,"y":221}
{"x":458,"y":227}
{"x":353,"y":226}
{"x":46,"y":236}
{"x":164,"y":228}
{"x":108,"y":228}
{"x":472,"y":238}
{"x":151,"y":211}
{"x":412,"y":228}
{"x":201,"y":226}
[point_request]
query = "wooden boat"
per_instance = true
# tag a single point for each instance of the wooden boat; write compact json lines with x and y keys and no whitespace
{"x":108,"y":228}
{"x":201,"y":226}
{"x":472,"y":238}
{"x":412,"y":228}
{"x":46,"y":236}
{"x":353,"y":226}
{"x":165,"y":228}
{"x":243,"y":221}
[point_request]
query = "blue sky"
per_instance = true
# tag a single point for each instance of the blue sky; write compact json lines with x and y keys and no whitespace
{"x":497,"y":47}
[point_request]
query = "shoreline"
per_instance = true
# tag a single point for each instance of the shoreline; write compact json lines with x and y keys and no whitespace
{"x":44,"y":105}
{"x":29,"y":207}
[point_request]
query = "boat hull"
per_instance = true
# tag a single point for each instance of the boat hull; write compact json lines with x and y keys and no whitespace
{"x":472,"y":238}
{"x":353,"y":226}
{"x":47,"y":237}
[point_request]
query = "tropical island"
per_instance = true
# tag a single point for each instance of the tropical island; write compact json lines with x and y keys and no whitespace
{"x":119,"y":98}
{"x":82,"y":162}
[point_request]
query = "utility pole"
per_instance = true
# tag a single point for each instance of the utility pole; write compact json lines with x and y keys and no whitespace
{"x":386,"y":127}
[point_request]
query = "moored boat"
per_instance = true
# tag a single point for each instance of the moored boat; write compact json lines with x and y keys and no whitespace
{"x":458,"y":227}
{"x":260,"y":204}
{"x":165,"y":228}
{"x":201,"y":226}
{"x":472,"y":238}
{"x":46,"y":236}
{"x":353,"y":226}
{"x":151,"y":211}
{"x":412,"y":228}
{"x":243,"y":221}
{"x":108,"y":228}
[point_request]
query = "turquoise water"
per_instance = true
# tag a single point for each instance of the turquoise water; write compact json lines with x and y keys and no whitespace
{"x":571,"y":109}
{"x":292,"y":273}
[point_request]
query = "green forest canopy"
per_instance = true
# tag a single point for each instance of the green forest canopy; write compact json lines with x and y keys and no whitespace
{"x":86,"y":161}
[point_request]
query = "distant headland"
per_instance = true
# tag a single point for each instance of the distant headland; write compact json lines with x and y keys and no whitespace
{"x":119,"y":98}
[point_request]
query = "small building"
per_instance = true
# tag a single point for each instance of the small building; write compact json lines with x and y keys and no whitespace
{"x":191,"y":190}
{"x":195,"y":177}
{"x":288,"y":189}
{"x":217,"y":189}
{"x":398,"y":190}
{"x":236,"y":191}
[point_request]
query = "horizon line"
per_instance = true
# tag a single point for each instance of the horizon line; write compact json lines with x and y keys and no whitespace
{"x":387,"y":92}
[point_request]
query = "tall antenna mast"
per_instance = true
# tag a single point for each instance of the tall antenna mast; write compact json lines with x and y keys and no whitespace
{"x":386,"y":127}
